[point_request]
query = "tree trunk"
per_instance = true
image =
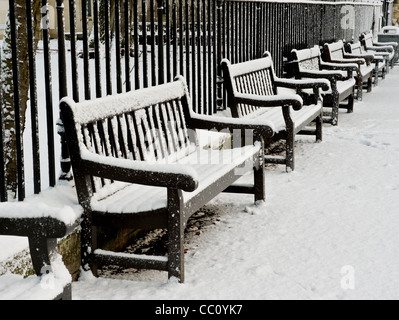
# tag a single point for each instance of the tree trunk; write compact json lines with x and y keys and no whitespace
{"x":8,"y":87}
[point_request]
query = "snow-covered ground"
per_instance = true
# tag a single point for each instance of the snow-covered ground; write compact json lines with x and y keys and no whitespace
{"x":327,"y":231}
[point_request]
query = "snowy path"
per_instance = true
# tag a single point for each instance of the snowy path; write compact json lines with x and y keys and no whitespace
{"x":328,"y":230}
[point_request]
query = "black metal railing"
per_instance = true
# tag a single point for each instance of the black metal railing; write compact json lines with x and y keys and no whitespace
{"x":122,"y":45}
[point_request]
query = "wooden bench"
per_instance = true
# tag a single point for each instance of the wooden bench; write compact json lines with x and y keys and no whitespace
{"x":335,"y":53}
{"x":308,"y":64}
{"x":52,"y":280}
{"x":388,"y":49}
{"x":137,"y":164}
{"x":254,"y":92}
{"x":378,"y":61}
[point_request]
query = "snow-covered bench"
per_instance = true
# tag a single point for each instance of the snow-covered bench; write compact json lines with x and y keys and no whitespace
{"x":254,"y":92}
{"x":335,"y":53}
{"x":43,"y":225}
{"x":137,"y":164}
{"x":308,"y":64}
{"x":377,"y":60}
{"x":391,"y":49}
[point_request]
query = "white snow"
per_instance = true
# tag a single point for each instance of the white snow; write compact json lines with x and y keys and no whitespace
{"x":327,"y":231}
{"x":47,"y":287}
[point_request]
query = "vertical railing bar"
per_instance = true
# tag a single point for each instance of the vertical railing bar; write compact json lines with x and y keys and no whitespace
{"x":128,"y":82}
{"x":247,"y":30}
{"x":118,"y":64}
{"x":161,"y":70}
{"x":188,"y":38}
{"x":223,"y":33}
{"x":215,"y":57}
{"x":219,"y":56}
{"x":282,"y":39}
{"x":231,"y":26}
{"x":169,"y":64}
{"x":33,"y":102}
{"x":107,"y":47}
{"x":205,"y":36}
{"x":17,"y":102}
{"x":97,"y":49}
{"x":199,"y":63}
{"x":144,"y":39}
{"x":254,"y":36}
{"x":261,"y":29}
{"x":181,"y":37}
{"x":63,"y":89}
{"x":228,"y":31}
{"x":211,"y":35}
{"x":153,"y":58}
{"x":3,"y":194}
{"x":49,"y":94}
{"x":257,"y":38}
{"x":242,"y":32}
{"x":225,"y":49}
{"x":244,"y":20}
{"x":73,"y":40}
{"x":136,"y":40}
{"x":264,"y":24}
{"x":236,"y":32}
{"x":193,"y":58}
{"x":86,"y":53}
{"x":174,"y":28}
{"x":287,"y":22}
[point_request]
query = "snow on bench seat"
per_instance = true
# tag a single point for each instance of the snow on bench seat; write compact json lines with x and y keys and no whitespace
{"x":207,"y":164}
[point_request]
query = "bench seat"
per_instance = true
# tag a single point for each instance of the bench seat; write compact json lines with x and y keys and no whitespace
{"x":276,"y":118}
{"x":208,"y":166}
{"x":342,"y":87}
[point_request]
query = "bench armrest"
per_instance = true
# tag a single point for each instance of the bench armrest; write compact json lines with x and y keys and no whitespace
{"x":381,"y":48}
{"x":358,"y":61}
{"x":379,"y":58}
{"x":280,"y":100}
{"x":46,"y":227}
{"x":169,"y":175}
{"x":364,"y":56}
{"x":324,"y":74}
{"x":303,"y":84}
{"x":384,"y":44}
{"x":339,"y":66}
{"x":260,"y":128}
{"x":23,"y":219}
{"x":367,"y":58}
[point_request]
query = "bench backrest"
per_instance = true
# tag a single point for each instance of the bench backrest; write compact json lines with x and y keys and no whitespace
{"x":307,"y":59}
{"x":144,"y":125}
{"x":334,"y":51}
{"x":251,"y":77}
{"x":356,"y":48}
{"x":367,"y":39}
